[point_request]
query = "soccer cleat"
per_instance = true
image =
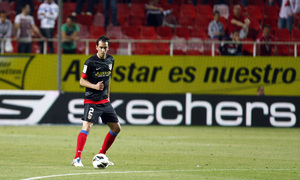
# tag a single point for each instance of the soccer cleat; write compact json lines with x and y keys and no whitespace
{"x":77,"y":162}
{"x":110,"y":163}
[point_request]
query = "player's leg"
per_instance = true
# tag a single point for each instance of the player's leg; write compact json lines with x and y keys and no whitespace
{"x":89,"y":117}
{"x":81,"y":140}
{"x":115,"y":128}
{"x":82,"y":137}
{"x":109,"y":117}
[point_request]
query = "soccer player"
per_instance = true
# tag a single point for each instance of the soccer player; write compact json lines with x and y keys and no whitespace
{"x":96,"y":77}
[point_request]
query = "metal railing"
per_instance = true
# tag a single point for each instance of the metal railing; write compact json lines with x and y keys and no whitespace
{"x":209,"y":44}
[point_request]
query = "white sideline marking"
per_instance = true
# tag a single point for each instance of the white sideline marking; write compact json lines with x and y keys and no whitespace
{"x":126,"y":172}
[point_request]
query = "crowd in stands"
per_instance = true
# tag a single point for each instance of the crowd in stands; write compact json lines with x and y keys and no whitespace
{"x":225,"y":22}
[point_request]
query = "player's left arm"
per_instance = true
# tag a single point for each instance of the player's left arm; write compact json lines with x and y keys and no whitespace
{"x":108,"y":89}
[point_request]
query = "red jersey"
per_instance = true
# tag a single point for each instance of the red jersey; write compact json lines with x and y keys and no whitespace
{"x":265,"y":49}
{"x":233,"y":27}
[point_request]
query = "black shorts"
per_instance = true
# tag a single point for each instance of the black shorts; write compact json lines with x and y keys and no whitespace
{"x":92,"y":112}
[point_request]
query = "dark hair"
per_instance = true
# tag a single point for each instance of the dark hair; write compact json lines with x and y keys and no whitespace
{"x":235,"y":31}
{"x":24,"y":6}
{"x":72,"y":18}
{"x":103,"y":39}
{"x":216,"y":12}
{"x":266,"y":26}
{"x":2,"y":12}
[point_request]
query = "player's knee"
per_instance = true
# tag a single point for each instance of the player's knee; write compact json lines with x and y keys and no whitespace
{"x":87,"y":126}
{"x":119,"y":129}
{"x":116,"y":129}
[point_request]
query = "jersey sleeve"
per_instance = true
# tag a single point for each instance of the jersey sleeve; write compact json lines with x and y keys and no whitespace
{"x":84,"y":73}
{"x":17,"y":19}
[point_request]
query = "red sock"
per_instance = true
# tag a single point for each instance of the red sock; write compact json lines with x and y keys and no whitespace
{"x":109,"y":139}
{"x":81,"y":139}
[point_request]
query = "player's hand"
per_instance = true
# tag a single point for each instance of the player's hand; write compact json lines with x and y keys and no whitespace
{"x":99,"y":86}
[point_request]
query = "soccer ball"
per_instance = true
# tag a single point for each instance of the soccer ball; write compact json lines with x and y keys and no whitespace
{"x":100,"y":161}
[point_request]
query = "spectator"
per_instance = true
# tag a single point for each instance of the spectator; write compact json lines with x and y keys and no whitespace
{"x":260,"y":91}
{"x":5,"y":27}
{"x":80,"y":5}
{"x":21,"y":3}
{"x":265,"y":36}
{"x":114,"y":12}
{"x":69,"y":32}
{"x":24,"y":23}
{"x":215,"y":27}
{"x":272,"y":2}
{"x":195,"y":2}
{"x":287,"y":12}
{"x":232,"y":48}
{"x":238,"y":22}
{"x":47,"y":13}
{"x":155,"y":14}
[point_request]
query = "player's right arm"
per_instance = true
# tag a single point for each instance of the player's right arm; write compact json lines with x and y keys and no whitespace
{"x":84,"y":76}
{"x":85,"y":83}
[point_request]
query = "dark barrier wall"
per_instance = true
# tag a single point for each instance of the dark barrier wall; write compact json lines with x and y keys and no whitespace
{"x":39,"y":107}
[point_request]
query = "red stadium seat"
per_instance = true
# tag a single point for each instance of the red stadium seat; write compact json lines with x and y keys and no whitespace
{"x":113,"y":47}
{"x":195,"y":46}
{"x":114,"y":32}
{"x":282,"y":34}
{"x":223,"y":9}
{"x":131,"y":32}
{"x":253,"y":28}
{"x":183,"y":32}
{"x":83,"y":31}
{"x":137,"y":10}
{"x":187,"y":10}
{"x":123,"y":13}
{"x":68,"y":8}
{"x":202,"y":21}
{"x":161,"y":49}
{"x":85,"y":20}
{"x":295,"y":35}
{"x":204,"y":10}
{"x":98,"y":19}
{"x":5,"y":6}
{"x":164,"y":32}
{"x":247,"y":49}
{"x":186,"y":21}
{"x":255,"y":12}
{"x":199,"y":32}
{"x":136,"y":21}
{"x":96,"y":31}
{"x":143,"y":48}
{"x":179,"y":46}
{"x":147,"y":32}
{"x":92,"y":48}
{"x":270,"y":12}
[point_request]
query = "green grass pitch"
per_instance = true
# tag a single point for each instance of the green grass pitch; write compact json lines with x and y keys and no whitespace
{"x":152,"y":152}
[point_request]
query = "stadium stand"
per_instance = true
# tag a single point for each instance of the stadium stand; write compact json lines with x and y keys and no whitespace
{"x":192,"y":23}
{"x":255,"y":12}
{"x":161,"y":49}
{"x":147,"y":32}
{"x":182,"y":32}
{"x":164,"y":32}
{"x":205,"y":11}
